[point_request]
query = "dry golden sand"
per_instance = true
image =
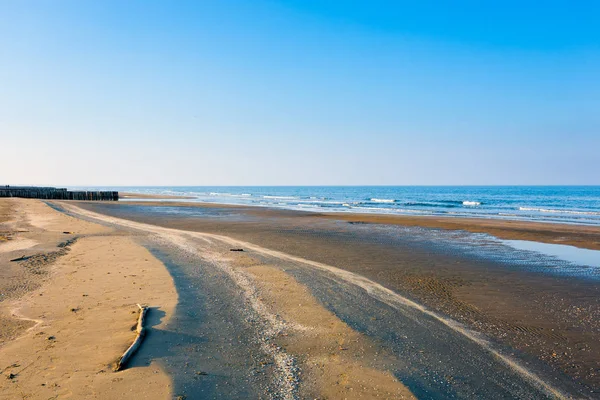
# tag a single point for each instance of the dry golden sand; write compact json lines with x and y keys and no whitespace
{"x":79,"y":316}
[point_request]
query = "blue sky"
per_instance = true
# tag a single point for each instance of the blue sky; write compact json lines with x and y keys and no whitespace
{"x":299,"y":92}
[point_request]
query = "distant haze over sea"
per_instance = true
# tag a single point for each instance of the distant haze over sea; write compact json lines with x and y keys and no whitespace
{"x":565,"y":204}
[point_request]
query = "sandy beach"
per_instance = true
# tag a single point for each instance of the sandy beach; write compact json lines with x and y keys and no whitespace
{"x":315,"y":306}
{"x":552,"y":319}
{"x":68,"y":309}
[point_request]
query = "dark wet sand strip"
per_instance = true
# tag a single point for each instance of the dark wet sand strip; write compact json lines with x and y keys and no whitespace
{"x":576,"y":235}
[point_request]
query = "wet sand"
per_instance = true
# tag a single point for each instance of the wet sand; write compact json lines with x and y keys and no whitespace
{"x":548,"y":318}
{"x":252,"y":331}
{"x":582,"y":236}
{"x":66,"y":310}
{"x":587,"y":237}
{"x":336,"y":356}
{"x":133,"y":196}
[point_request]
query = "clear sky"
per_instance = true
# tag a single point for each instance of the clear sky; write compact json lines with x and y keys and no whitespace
{"x":304,"y":92}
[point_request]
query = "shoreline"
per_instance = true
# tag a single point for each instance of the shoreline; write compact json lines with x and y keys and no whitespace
{"x":581,"y":236}
{"x":560,"y":204}
{"x":132,"y":195}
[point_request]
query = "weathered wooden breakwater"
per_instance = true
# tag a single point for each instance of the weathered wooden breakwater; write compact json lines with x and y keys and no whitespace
{"x":51,"y":193}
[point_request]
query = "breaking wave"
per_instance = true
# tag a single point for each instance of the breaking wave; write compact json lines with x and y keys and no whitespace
{"x":554,"y":211}
{"x":280,"y":197}
{"x":229,"y":194}
{"x":382,"y":200}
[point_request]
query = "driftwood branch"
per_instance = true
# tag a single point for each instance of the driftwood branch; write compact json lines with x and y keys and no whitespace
{"x":141,"y":332}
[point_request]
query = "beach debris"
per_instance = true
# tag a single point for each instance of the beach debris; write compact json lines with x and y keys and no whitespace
{"x":67,"y":232}
{"x":67,"y":243}
{"x":15,"y":365}
{"x":10,"y":375}
{"x":141,"y":332}
{"x":236,"y":249}
{"x":22,"y":258}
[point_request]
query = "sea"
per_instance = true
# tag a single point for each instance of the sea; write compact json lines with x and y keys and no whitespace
{"x":558,"y":204}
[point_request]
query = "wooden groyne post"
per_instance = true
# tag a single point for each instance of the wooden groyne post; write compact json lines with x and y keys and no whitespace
{"x":51,"y":193}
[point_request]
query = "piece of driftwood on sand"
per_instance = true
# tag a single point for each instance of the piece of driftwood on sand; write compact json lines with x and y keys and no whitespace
{"x":141,"y":332}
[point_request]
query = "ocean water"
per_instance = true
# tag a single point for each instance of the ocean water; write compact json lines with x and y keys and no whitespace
{"x":563,"y":204}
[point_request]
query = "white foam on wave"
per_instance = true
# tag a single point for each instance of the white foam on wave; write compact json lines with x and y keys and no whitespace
{"x":329,"y":202}
{"x":229,"y":194}
{"x":392,"y":211}
{"x":280,"y":197}
{"x":549,"y":210}
{"x":383,"y":200}
{"x":471,"y":203}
